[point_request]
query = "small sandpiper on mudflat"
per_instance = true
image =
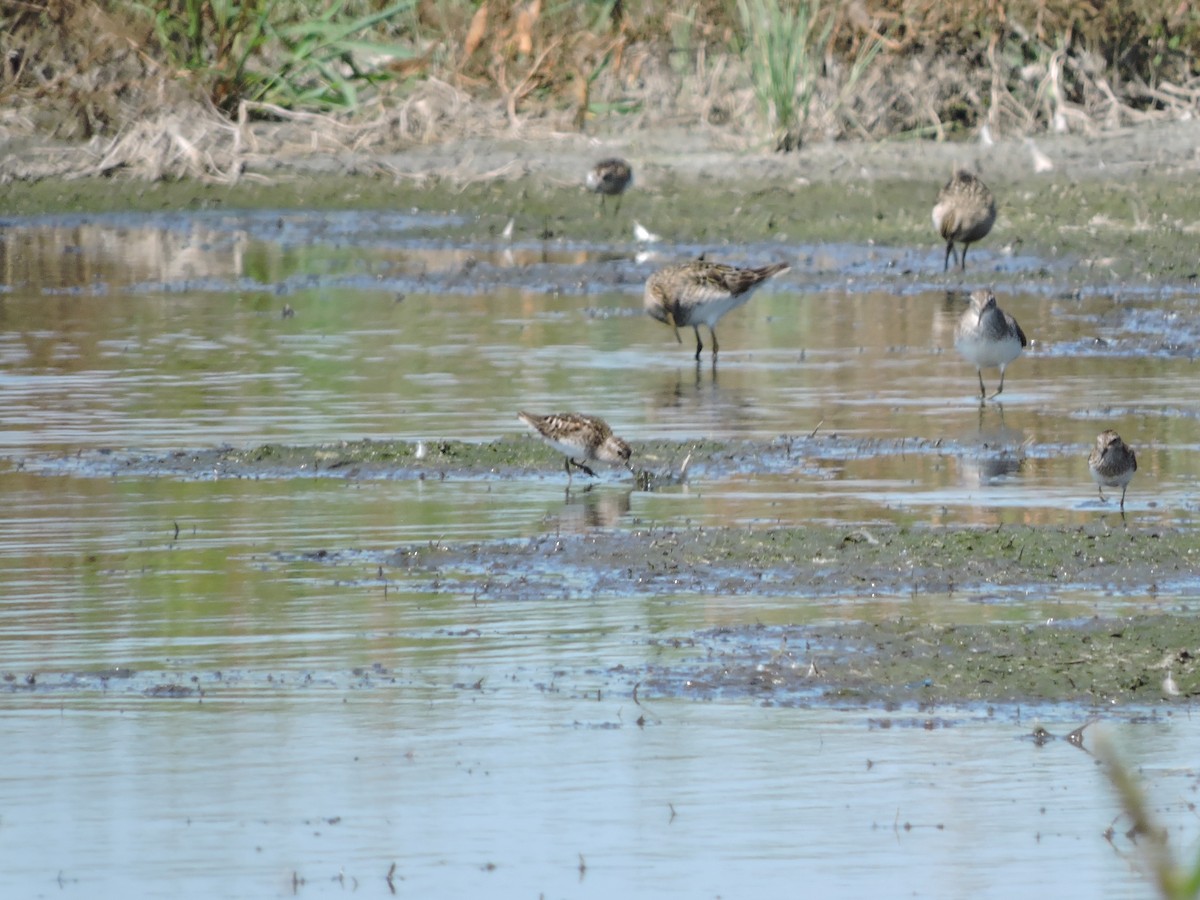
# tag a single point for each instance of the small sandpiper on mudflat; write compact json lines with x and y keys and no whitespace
{"x":699,"y":293}
{"x":610,"y":178}
{"x":964,"y":212}
{"x":580,"y":437}
{"x":1112,"y":463}
{"x":988,"y":337}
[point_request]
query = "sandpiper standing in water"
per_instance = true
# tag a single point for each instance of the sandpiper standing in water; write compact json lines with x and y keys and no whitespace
{"x":1112,"y":463}
{"x":610,"y":178}
{"x":988,"y":337}
{"x":577,"y":435}
{"x":698,"y":293}
{"x":964,"y":212}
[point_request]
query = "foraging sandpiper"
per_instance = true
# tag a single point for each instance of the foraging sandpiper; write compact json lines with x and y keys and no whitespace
{"x":1112,"y":463}
{"x":576,"y":435}
{"x":610,"y":178}
{"x":988,"y":337}
{"x":698,"y":293}
{"x":964,"y":212}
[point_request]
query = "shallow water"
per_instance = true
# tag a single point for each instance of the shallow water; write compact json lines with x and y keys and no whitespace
{"x":322,"y":791}
{"x":124,"y":334}
{"x":214,"y":709}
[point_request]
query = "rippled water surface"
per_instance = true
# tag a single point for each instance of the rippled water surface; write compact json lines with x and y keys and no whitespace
{"x":196,"y":704}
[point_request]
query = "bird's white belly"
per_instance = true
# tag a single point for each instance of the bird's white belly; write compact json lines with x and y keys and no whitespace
{"x":574,"y":449}
{"x":1112,"y":481}
{"x":710,"y":312}
{"x":989,"y":353}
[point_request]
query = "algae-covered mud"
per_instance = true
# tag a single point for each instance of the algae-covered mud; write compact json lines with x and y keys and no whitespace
{"x":1100,"y":663}
{"x":657,"y":464}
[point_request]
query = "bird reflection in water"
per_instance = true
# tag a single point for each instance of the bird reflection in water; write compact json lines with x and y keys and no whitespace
{"x":591,"y":508}
{"x":991,"y":468}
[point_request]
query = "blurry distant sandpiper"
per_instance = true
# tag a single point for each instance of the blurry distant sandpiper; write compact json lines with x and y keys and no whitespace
{"x":988,"y":337}
{"x":610,"y":178}
{"x":580,"y":437}
{"x":1112,"y":463}
{"x":964,"y":212}
{"x":699,"y":293}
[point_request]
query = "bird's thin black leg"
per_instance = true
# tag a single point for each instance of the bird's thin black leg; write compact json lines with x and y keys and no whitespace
{"x":580,"y":465}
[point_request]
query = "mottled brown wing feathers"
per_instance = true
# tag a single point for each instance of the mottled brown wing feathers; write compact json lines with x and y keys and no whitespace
{"x":560,"y":422}
{"x":737,"y":281}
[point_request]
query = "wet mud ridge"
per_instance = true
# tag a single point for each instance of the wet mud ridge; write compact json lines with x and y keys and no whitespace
{"x":808,"y":561}
{"x":1099,"y":663}
{"x":657,"y":463}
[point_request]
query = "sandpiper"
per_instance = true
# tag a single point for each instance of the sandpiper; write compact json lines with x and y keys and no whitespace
{"x":609,"y":178}
{"x":988,"y":336}
{"x":577,"y":435}
{"x":964,"y":212}
{"x":1112,"y":463}
{"x":698,"y":293}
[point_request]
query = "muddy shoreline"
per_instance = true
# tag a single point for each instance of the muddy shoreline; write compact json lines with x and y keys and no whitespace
{"x":1115,"y":215}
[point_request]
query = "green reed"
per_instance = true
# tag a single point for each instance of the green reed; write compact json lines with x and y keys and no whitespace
{"x":783,"y":43}
{"x":279,"y":51}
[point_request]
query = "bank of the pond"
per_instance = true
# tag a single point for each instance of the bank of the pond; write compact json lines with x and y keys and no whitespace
{"x":1116,"y":206}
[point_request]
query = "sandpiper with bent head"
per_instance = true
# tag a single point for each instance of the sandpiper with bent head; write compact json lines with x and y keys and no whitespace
{"x":610,"y":178}
{"x":699,"y":293}
{"x":577,"y":435}
{"x":1112,"y":463}
{"x":964,"y":212}
{"x":988,"y":337}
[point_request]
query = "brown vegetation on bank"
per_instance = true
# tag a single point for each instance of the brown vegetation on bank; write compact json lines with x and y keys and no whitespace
{"x":172,"y":88}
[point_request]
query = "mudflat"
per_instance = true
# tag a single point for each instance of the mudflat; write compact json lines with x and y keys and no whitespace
{"x":1116,"y":211}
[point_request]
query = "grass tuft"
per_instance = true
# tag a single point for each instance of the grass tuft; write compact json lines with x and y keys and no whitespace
{"x":782,"y":42}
